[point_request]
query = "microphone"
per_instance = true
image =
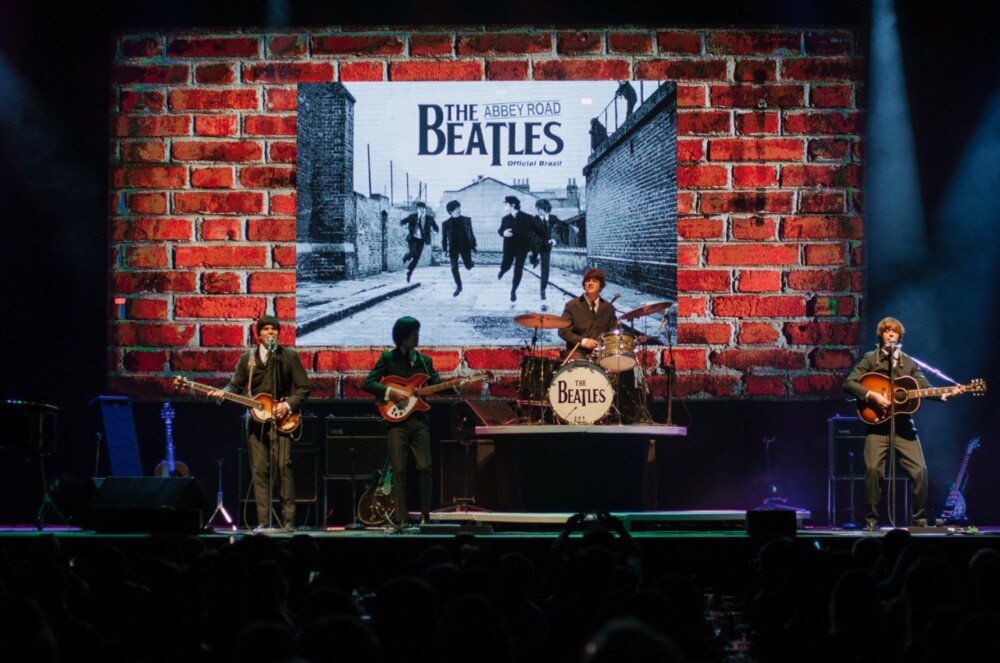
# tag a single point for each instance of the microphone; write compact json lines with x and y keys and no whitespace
{"x":615,"y":298}
{"x":271,"y":342}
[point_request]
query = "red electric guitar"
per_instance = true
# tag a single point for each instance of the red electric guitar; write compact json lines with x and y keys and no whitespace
{"x":396,"y":412}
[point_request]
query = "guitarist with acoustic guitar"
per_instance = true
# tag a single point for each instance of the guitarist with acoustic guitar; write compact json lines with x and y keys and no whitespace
{"x":270,"y":370}
{"x":388,"y":381}
{"x":869,"y":383}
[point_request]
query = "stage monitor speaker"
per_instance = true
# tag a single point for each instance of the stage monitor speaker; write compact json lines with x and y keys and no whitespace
{"x":174,"y":505}
{"x":119,"y":432}
{"x":466,"y":415}
{"x":355,"y":446}
{"x":847,"y":447}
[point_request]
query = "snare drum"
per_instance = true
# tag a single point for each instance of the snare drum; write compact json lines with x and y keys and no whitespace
{"x":616,"y":353}
{"x":581,"y":393}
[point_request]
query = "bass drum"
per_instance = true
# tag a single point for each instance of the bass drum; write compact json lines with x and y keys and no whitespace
{"x":581,"y":393}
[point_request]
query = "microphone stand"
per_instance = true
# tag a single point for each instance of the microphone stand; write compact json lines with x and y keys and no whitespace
{"x":892,"y":437}
{"x":272,"y":454}
{"x":852,"y":523}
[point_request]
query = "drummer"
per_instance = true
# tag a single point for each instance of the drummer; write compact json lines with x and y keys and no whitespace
{"x":591,"y":317}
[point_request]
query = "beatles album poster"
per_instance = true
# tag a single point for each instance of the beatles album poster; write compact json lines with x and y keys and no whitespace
{"x":468,"y":204}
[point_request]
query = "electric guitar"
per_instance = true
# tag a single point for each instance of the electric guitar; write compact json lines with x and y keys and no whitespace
{"x":906,"y":396}
{"x":954,"y":506}
{"x":170,"y":467}
{"x":396,"y":412}
{"x":376,"y":506}
{"x":261,"y":406}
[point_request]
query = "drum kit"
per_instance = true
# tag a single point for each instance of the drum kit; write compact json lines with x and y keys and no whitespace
{"x":585,"y":392}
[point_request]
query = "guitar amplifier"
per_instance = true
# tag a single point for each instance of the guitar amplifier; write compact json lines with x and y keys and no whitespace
{"x":355,"y":446}
{"x":847,"y":447}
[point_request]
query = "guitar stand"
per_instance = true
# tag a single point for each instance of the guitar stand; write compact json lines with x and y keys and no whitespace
{"x":47,"y":503}
{"x":466,"y":503}
{"x":220,"y":510}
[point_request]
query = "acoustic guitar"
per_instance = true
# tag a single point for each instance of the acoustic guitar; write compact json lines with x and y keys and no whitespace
{"x":169,"y":467}
{"x":261,"y":406}
{"x":906,"y":395}
{"x":397,"y":412}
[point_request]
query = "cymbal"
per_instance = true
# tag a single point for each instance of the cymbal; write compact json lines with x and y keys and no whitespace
{"x":542,"y":321}
{"x":646,"y":309}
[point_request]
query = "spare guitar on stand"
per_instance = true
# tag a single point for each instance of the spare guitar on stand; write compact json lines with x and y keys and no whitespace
{"x":169,"y":467}
{"x":953,"y":512}
{"x":376,"y":506}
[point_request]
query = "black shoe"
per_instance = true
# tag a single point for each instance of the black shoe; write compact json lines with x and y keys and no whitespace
{"x":543,"y":294}
{"x":456,"y":293}
{"x":513,"y":297}
{"x":871,"y":524}
{"x":408,"y":275}
{"x":470,"y":266}
{"x":500,"y":275}
{"x":920,"y":522}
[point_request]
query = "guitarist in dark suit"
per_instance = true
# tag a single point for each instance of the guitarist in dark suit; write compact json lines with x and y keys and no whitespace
{"x":275,"y":370}
{"x":457,"y":240}
{"x":414,"y":432}
{"x":890,"y":332}
{"x":419,"y":225}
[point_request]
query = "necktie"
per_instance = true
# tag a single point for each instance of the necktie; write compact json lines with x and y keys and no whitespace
{"x":593,"y":307}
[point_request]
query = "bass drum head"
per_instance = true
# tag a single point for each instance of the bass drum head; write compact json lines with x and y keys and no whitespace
{"x":581,"y":393}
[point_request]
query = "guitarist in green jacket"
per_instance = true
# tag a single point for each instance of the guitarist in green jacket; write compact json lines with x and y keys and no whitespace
{"x":412,"y":433}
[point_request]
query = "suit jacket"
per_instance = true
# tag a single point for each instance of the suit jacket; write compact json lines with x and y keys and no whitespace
{"x":293,"y":383}
{"x":524,"y":226}
{"x":538,"y":244}
{"x":585,"y":323}
{"x":877,"y":361}
{"x":456,"y":234}
{"x":425,"y":230}
{"x":393,"y":362}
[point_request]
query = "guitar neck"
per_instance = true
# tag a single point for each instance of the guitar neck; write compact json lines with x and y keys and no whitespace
{"x":229,"y":396}
{"x":931,"y":391}
{"x":421,"y":391}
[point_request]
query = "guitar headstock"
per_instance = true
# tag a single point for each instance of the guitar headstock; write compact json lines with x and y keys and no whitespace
{"x":977,"y":387}
{"x":181,"y":382}
{"x":167,"y":412}
{"x":973,"y":444}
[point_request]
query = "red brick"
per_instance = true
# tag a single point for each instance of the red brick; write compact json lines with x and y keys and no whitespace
{"x":822,"y":122}
{"x":699,"y":228}
{"x":217,"y":150}
{"x":234,"y":202}
{"x":820,"y":202}
{"x":757,"y":96}
{"x":701,"y":280}
{"x":504,"y":43}
{"x":829,"y":43}
{"x":150,"y":74}
{"x":825,"y":359}
{"x":268,"y":177}
{"x":146,"y":309}
{"x":145,"y":255}
{"x":685,"y":202}
{"x":271,"y":229}
{"x":220,"y":256}
{"x":147,"y":203}
{"x":362,"y":71}
{"x":687,"y":255}
{"x":828,"y":149}
{"x":753,"y":228}
{"x":703,"y":122}
{"x":628,"y":42}
{"x":757,"y":332}
{"x":358,"y":45}
{"x":436,"y":71}
{"x":259,"y":282}
{"x":752,"y":254}
{"x":288,"y":46}
{"x":846,"y":176}
{"x":754,"y":306}
{"x":351,"y":387}
{"x":682,"y":70}
{"x":691,"y":96}
{"x":200,"y":361}
{"x":493,"y":358}
{"x":695,"y":333}
{"x":212,"y":178}
{"x":821,"y":69}
{"x":152,"y":177}
{"x":828,"y":280}
{"x":221,"y":283}
{"x":754,"y":177}
{"x":437,"y":44}
{"x":702,"y":177}
{"x":290,"y":72}
{"x":679,"y":42}
{"x":756,"y":123}
{"x":151,"y":229}
{"x":194,"y":99}
{"x":144,"y":361}
{"x":280,"y":99}
{"x":715,"y":385}
{"x":755,"y":149}
{"x":821,"y":227}
{"x":690,"y":150}
{"x":824,"y":385}
{"x":347,"y":360}
{"x":856,"y":254}
{"x":507,"y":70}
{"x":145,"y":281}
{"x":756,"y":71}
{"x":820,"y":333}
{"x":832,"y":96}
{"x":326,"y":388}
{"x":145,"y":100}
{"x":827,"y":306}
{"x":758,"y":280}
{"x":225,"y":308}
{"x":155,"y":334}
{"x":577,"y":43}
{"x":215,"y":74}
{"x":746,"y":42}
{"x":691,"y":307}
{"x":283,"y":204}
{"x":748,"y":359}
{"x":764,"y":385}
{"x":215,"y":125}
{"x":746,"y":202}
{"x":282,"y":152}
{"x":144,"y":150}
{"x":284,"y":308}
{"x":142,"y":47}
{"x":199,"y":47}
{"x":152,"y":125}
{"x":213,"y":230}
{"x":269,"y":125}
{"x":825,"y":254}
{"x":688,"y":359}
{"x":595,"y":70}
{"x":223,"y":336}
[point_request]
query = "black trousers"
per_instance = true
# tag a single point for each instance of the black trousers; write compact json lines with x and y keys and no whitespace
{"x":413,"y":434}
{"x":911,"y":457}
{"x":266,"y":454}
{"x":416,"y":250}
{"x":517,"y":259}
{"x":466,"y":256}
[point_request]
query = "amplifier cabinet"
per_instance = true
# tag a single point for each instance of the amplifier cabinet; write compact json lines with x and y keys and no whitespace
{"x":355,"y":447}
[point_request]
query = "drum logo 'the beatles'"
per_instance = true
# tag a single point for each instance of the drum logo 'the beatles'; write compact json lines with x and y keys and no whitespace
{"x":580,"y":393}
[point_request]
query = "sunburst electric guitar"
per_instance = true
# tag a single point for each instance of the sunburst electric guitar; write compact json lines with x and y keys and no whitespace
{"x":261,"y":406}
{"x":906,"y":394}
{"x":396,"y":412}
